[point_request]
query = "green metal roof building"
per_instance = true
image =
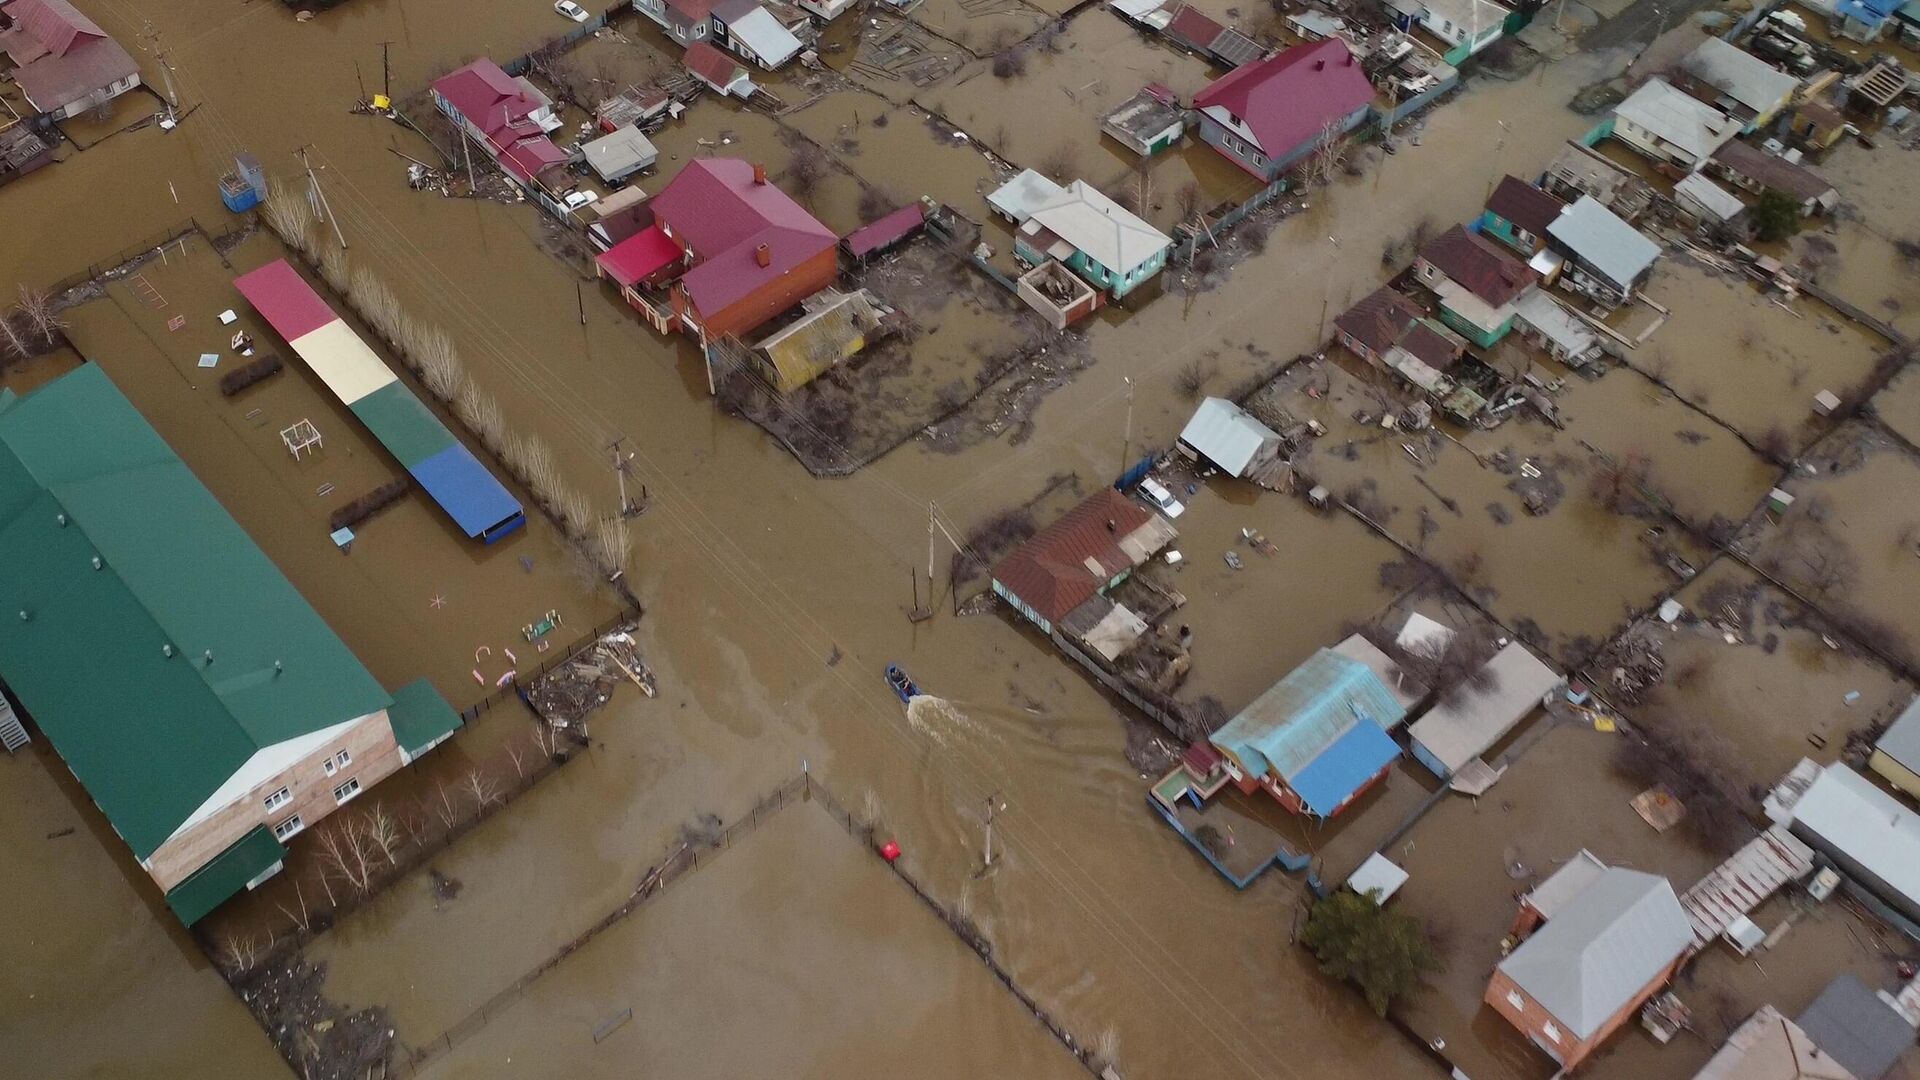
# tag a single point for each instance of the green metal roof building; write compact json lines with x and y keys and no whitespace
{"x":154,"y":644}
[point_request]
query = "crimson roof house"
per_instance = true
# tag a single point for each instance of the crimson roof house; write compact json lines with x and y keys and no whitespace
{"x":1268,"y":115}
{"x":507,"y":116}
{"x":64,"y":63}
{"x":1476,"y":281}
{"x":727,"y":252}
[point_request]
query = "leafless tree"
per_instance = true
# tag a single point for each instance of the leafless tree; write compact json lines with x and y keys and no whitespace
{"x":344,"y":854}
{"x":37,"y":306}
{"x":482,"y":415}
{"x":381,"y":831}
{"x":1186,"y":201}
{"x":289,"y":216}
{"x":14,"y":342}
{"x":238,"y":954}
{"x":334,"y":270}
{"x":482,"y":787}
{"x":440,"y":367}
{"x":1058,"y":164}
{"x":519,"y":762}
{"x":1327,"y":153}
{"x":301,"y":920}
{"x":573,"y":510}
{"x":806,"y":171}
{"x":610,"y":545}
{"x":444,"y":807}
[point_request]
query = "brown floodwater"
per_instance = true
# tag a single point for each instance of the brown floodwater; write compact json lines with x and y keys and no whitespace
{"x":773,"y":599}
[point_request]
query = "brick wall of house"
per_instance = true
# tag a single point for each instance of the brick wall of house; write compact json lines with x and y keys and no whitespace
{"x":1534,"y":1020}
{"x":756,"y":308}
{"x":375,"y":753}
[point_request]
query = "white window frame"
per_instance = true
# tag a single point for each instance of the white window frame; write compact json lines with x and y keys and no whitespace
{"x":1551,"y":1032}
{"x":351,"y":785}
{"x":1514,"y":999}
{"x":278,"y":799}
{"x":299,"y":827}
{"x":337,"y":762}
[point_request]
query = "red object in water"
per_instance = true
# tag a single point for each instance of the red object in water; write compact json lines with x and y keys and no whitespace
{"x":890,"y":851}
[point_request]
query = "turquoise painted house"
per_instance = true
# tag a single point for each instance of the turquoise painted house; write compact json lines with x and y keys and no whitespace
{"x":1096,"y":238}
{"x":1518,"y":214}
{"x":1318,"y":738}
{"x":1476,"y":282}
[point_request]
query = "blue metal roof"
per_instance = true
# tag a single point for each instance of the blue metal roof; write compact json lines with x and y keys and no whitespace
{"x":1286,"y":729}
{"x":1872,"y":12}
{"x":1340,"y":769}
{"x":463,"y":487}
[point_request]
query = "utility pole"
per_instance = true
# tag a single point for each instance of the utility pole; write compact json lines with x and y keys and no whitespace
{"x":386,"y":73}
{"x":993,"y":804}
{"x":1126,"y":440}
{"x":580,"y":301}
{"x":623,"y":464}
{"x":152,"y":34}
{"x":466,"y":148}
{"x":362,"y":83}
{"x":320,"y":197}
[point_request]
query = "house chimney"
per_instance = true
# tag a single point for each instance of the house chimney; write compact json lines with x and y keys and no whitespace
{"x":763,"y":255}
{"x":1320,"y":64}
{"x":759,"y":173}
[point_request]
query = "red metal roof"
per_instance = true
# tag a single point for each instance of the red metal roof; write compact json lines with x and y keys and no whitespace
{"x":887,"y":231}
{"x":486,"y":96}
{"x":526,"y":154}
{"x":1049,"y":572}
{"x":716,"y":67}
{"x":692,"y":11}
{"x":1379,"y":319}
{"x":60,"y":55}
{"x":1288,"y":99}
{"x":1479,"y":266}
{"x":1525,"y":205}
{"x":724,"y":216}
{"x":285,"y":300}
{"x":639,"y":256}
{"x":1193,"y":28}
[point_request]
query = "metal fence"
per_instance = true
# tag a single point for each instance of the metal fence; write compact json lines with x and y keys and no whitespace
{"x":516,"y":687}
{"x":128,"y":258}
{"x":1186,"y":242}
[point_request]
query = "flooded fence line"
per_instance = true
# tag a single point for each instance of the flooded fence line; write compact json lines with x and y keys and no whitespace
{"x":515,"y":687}
{"x":688,"y":855}
{"x":131,"y":258}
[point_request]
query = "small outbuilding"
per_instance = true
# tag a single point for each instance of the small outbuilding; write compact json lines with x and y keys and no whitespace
{"x":1229,"y":438}
{"x":1607,"y":259}
{"x":1465,"y":723}
{"x":1855,"y":1025}
{"x":616,"y":156}
{"x":1018,"y":198}
{"x":1896,"y":757}
{"x":1148,"y":122}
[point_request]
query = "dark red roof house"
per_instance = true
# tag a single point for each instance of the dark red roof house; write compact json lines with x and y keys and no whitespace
{"x":882,"y":234}
{"x":505,"y":114}
{"x":1194,"y":29}
{"x":755,"y":253}
{"x":722,"y":73}
{"x":1474,"y":263}
{"x":64,"y":63}
{"x":1266,"y":116}
{"x":1079,"y":556}
{"x":1519,"y":213}
{"x":1377,"y":322}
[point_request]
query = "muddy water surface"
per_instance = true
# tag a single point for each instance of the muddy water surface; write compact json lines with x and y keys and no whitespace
{"x":774,"y":600}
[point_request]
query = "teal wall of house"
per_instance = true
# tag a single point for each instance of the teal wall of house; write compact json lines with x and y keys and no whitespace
{"x":1486,"y":339}
{"x":1116,"y":285}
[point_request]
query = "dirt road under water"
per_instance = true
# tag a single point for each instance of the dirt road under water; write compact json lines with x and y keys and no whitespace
{"x":773,"y":599}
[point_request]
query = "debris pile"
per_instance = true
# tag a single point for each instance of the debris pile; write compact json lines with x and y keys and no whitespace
{"x":565,"y":695}
{"x":318,"y":1037}
{"x":1634,"y":662}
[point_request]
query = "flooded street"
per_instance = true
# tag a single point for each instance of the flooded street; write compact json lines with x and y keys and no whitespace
{"x":772,"y":600}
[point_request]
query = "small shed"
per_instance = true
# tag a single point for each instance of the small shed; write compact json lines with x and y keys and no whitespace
{"x":881,"y":235}
{"x":1148,"y":122}
{"x":1708,"y":202}
{"x":1229,"y":438}
{"x":1058,"y":294}
{"x":1377,"y":876}
{"x":619,"y":155}
{"x":719,"y":72}
{"x":1018,"y":198}
{"x":1859,"y":1029}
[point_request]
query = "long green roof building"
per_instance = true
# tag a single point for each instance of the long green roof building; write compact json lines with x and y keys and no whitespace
{"x":191,"y":689}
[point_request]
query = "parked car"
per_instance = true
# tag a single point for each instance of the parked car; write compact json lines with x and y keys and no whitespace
{"x":577,"y":198}
{"x":1162,"y":500}
{"x":571,"y":10}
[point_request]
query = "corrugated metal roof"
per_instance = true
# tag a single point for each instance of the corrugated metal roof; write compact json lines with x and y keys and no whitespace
{"x":1602,"y":950}
{"x":1759,"y":869}
{"x":760,"y":32}
{"x":1574,"y":877}
{"x":1598,"y":237}
{"x":1226,"y":435}
{"x":1902,"y":740}
{"x":1716,"y":201}
{"x":1846,"y":812}
{"x":1379,"y":318}
{"x":1349,"y":762}
{"x":1464,"y":724}
{"x":1020,"y":196}
{"x":420,"y":716}
{"x":887,"y":230}
{"x":1863,"y":1033}
{"x":1049,"y":573}
{"x":1288,"y":99}
{"x":723,"y":214}
{"x":1299,"y":717}
{"x":176,"y":571}
{"x":1525,"y":205}
{"x":1771,"y":1047}
{"x":1479,"y":266}
{"x":1739,"y":74}
{"x":621,"y":153}
{"x":203,"y":890}
{"x":1675,"y":117}
{"x":1099,"y":228}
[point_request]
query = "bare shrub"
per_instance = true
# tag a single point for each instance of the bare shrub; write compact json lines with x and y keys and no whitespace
{"x":1193,"y":379}
{"x":1451,"y":667}
{"x":289,"y":216}
{"x":482,"y":788}
{"x":440,"y":367}
{"x":1058,"y":164}
{"x":1775,"y":443}
{"x":481,"y":413}
{"x":1010,"y":63}
{"x":14,"y":342}
{"x":1253,"y":235}
{"x":806,"y":171}
{"x":237,"y":954}
{"x":997,"y":534}
{"x":877,"y":202}
{"x":610,"y":545}
{"x":333,"y":269}
{"x":1695,"y":767}
{"x":1186,"y":201}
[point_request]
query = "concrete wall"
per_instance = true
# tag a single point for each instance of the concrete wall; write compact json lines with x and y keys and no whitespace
{"x":376,"y":755}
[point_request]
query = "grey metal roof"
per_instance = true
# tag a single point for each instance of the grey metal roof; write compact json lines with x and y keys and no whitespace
{"x":1846,"y":813}
{"x":1902,"y":740}
{"x":1019,"y":197}
{"x":1574,"y":877}
{"x":1604,"y":947}
{"x":1226,"y":434}
{"x":621,"y":154}
{"x":1678,"y":118}
{"x":1861,"y":1032}
{"x":1739,"y":74}
{"x":1464,"y":724}
{"x":1598,"y":237}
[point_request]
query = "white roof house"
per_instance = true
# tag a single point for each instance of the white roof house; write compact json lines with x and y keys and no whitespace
{"x":1696,"y":192}
{"x":1465,"y":723}
{"x":1873,"y":836}
{"x":1098,"y":228}
{"x":616,"y":156}
{"x":1377,"y":874}
{"x":1567,"y":333}
{"x":1018,"y":198}
{"x":762,"y":35}
{"x":1602,"y":949}
{"x":1658,"y":119}
{"x":1742,"y":80}
{"x":1597,"y":237}
{"x":1228,"y":436}
{"x":1573,"y":878}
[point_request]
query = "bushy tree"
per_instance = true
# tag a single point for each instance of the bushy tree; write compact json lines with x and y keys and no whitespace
{"x":1775,"y":216}
{"x":1383,"y":952}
